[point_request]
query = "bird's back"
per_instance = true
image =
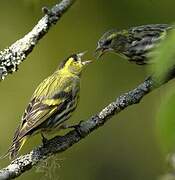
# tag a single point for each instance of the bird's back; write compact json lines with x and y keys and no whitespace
{"x":142,"y":40}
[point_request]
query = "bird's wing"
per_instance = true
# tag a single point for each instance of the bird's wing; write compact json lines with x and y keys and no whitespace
{"x":40,"y":109}
{"x":144,"y":38}
{"x":151,"y":29}
{"x":37,"y":112}
{"x":148,"y":34}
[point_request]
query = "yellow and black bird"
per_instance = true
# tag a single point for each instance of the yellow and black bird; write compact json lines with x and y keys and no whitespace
{"x":135,"y":43}
{"x":52,"y":103}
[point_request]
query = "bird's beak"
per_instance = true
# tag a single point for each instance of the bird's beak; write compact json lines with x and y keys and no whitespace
{"x":86,"y":62}
{"x":99,"y":52}
{"x":98,"y":49}
{"x":80,"y":55}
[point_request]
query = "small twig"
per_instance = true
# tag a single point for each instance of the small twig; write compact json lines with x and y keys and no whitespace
{"x":61,"y":143}
{"x":12,"y":56}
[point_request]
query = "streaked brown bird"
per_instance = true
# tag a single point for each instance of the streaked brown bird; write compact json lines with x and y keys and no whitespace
{"x":135,"y":43}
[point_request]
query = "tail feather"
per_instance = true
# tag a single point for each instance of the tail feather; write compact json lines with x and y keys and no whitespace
{"x":4,"y":155}
{"x":14,"y":149}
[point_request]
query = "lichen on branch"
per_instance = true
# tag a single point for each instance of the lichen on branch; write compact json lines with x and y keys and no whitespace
{"x":11,"y":57}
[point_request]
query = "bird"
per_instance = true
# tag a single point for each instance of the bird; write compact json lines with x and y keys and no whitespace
{"x":52,"y":103}
{"x":135,"y":44}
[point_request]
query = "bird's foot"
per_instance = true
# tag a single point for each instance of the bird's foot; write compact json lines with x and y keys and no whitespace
{"x":76,"y":127}
{"x":66,"y":126}
{"x":44,"y":139}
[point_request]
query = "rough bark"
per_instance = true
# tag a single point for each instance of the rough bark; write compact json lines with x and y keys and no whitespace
{"x":61,"y":143}
{"x":11,"y":57}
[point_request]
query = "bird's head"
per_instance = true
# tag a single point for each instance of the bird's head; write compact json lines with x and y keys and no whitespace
{"x":74,"y":64}
{"x":112,"y":40}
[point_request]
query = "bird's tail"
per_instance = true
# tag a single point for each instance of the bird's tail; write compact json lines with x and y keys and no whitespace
{"x":14,"y":149}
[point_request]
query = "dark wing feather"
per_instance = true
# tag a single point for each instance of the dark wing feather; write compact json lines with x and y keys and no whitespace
{"x":41,"y":108}
{"x":144,"y":38}
{"x":34,"y":117}
{"x":36,"y":113}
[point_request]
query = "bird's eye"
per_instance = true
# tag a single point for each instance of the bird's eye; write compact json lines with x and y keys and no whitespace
{"x":107,"y":42}
{"x":74,"y":57}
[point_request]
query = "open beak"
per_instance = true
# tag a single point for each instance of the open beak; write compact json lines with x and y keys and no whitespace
{"x":86,"y":62}
{"x":99,"y":52}
{"x":80,"y":55}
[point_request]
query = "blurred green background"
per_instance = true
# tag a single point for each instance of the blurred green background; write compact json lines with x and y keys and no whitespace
{"x":126,"y":148}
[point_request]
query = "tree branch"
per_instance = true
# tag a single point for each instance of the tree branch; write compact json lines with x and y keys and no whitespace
{"x":12,"y":56}
{"x":61,"y":143}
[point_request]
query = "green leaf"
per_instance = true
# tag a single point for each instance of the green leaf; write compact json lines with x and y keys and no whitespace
{"x":163,"y":58}
{"x":166,"y":122}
